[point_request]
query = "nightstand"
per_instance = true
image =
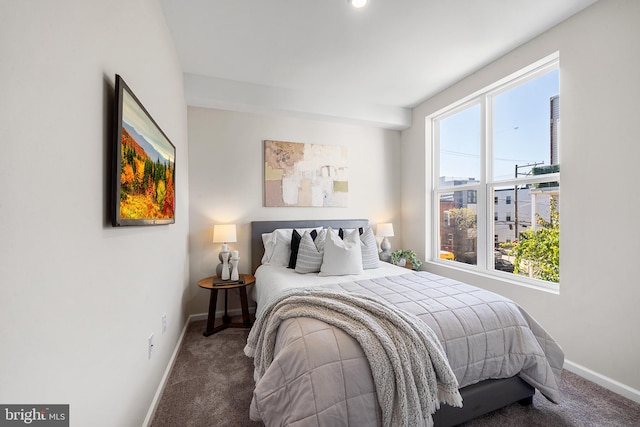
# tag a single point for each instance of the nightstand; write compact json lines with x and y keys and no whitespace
{"x":214,"y":284}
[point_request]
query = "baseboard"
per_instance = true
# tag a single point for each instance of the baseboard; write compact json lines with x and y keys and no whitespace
{"x":232,"y":312}
{"x":163,"y":382}
{"x":199,"y":316}
{"x":606,"y":382}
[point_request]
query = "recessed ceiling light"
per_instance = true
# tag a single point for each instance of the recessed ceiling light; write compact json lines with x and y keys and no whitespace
{"x":358,"y":3}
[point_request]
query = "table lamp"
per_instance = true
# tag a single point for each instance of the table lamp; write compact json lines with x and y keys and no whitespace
{"x":385,"y":230}
{"x":224,"y":233}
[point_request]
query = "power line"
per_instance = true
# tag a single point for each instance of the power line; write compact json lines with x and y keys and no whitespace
{"x":475,"y":156}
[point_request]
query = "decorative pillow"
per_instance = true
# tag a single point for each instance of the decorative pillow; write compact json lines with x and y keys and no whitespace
{"x":277,"y":246}
{"x":281,"y":250}
{"x":310,"y":252}
{"x":269,"y":243}
{"x":341,"y":231}
{"x":295,"y":245}
{"x":370,"y":257}
{"x":341,"y":256}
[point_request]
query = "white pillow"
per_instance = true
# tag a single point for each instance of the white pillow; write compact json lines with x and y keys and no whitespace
{"x":311,"y":252}
{"x":341,"y":256}
{"x":277,"y":245}
{"x":269,"y":243}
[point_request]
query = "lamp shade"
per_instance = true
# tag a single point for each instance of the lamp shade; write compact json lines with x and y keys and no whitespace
{"x":384,"y":230}
{"x":224,"y":233}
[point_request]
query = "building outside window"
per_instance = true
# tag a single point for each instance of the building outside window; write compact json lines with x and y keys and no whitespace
{"x":495,"y":150}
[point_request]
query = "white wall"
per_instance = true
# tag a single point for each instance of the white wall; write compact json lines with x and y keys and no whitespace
{"x":79,"y":298}
{"x":596,"y":314}
{"x":226,"y":175}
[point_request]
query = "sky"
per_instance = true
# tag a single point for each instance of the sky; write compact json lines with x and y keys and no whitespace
{"x":139,"y":120}
{"x":521,"y":132}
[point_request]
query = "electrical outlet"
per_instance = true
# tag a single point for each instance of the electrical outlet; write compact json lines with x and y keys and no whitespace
{"x":164,"y":323}
{"x":150,"y":345}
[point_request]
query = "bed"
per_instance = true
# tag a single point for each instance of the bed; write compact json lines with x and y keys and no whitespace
{"x":312,"y":380}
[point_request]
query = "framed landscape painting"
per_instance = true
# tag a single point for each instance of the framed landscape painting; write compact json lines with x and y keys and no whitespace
{"x":298,"y":174}
{"x":144,"y":164}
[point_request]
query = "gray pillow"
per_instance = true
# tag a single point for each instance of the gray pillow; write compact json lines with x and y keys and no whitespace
{"x":370,"y":257}
{"x":310,"y":252}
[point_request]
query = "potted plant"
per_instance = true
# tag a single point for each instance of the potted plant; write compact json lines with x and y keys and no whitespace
{"x":406,"y":258}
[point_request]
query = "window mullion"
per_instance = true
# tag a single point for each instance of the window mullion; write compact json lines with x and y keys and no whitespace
{"x":435,"y":171}
{"x":485,"y":169}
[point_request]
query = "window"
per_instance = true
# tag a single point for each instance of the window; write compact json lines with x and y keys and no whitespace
{"x":499,"y":148}
{"x":472,"y":197}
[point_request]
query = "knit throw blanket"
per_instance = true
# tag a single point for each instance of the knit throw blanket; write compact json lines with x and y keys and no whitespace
{"x":409,"y":366}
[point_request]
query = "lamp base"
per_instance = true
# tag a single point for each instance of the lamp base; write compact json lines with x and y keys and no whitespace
{"x":219,"y":270}
{"x":385,"y":256}
{"x":221,"y":256}
{"x":385,"y":246}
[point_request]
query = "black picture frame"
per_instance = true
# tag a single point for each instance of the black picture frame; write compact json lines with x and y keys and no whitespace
{"x":143,"y":183}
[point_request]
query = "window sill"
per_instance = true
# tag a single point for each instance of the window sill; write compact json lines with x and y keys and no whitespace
{"x":455,"y":269}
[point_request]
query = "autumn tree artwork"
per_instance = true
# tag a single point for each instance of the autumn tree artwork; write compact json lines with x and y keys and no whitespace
{"x":146,"y":187}
{"x":144,"y":163}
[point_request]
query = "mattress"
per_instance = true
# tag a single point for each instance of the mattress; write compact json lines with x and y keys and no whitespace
{"x":275,"y":279}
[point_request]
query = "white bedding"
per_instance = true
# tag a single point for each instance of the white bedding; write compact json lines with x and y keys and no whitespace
{"x":274,"y":279}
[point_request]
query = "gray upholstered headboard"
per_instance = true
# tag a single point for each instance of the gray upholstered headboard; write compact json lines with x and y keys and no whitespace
{"x":259,"y":227}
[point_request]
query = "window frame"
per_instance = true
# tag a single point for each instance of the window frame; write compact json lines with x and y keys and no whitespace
{"x":486,"y":183}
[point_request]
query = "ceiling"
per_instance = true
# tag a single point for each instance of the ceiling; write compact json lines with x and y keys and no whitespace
{"x":326,"y":59}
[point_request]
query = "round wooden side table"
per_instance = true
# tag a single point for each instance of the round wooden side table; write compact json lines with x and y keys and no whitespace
{"x":214,"y":284}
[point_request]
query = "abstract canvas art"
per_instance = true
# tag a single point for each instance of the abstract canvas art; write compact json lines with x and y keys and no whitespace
{"x":298,"y":174}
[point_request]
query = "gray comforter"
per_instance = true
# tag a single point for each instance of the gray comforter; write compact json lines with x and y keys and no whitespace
{"x":410,"y":371}
{"x":320,"y":375}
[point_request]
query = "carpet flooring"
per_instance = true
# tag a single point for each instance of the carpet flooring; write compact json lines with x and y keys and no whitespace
{"x":211,"y":384}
